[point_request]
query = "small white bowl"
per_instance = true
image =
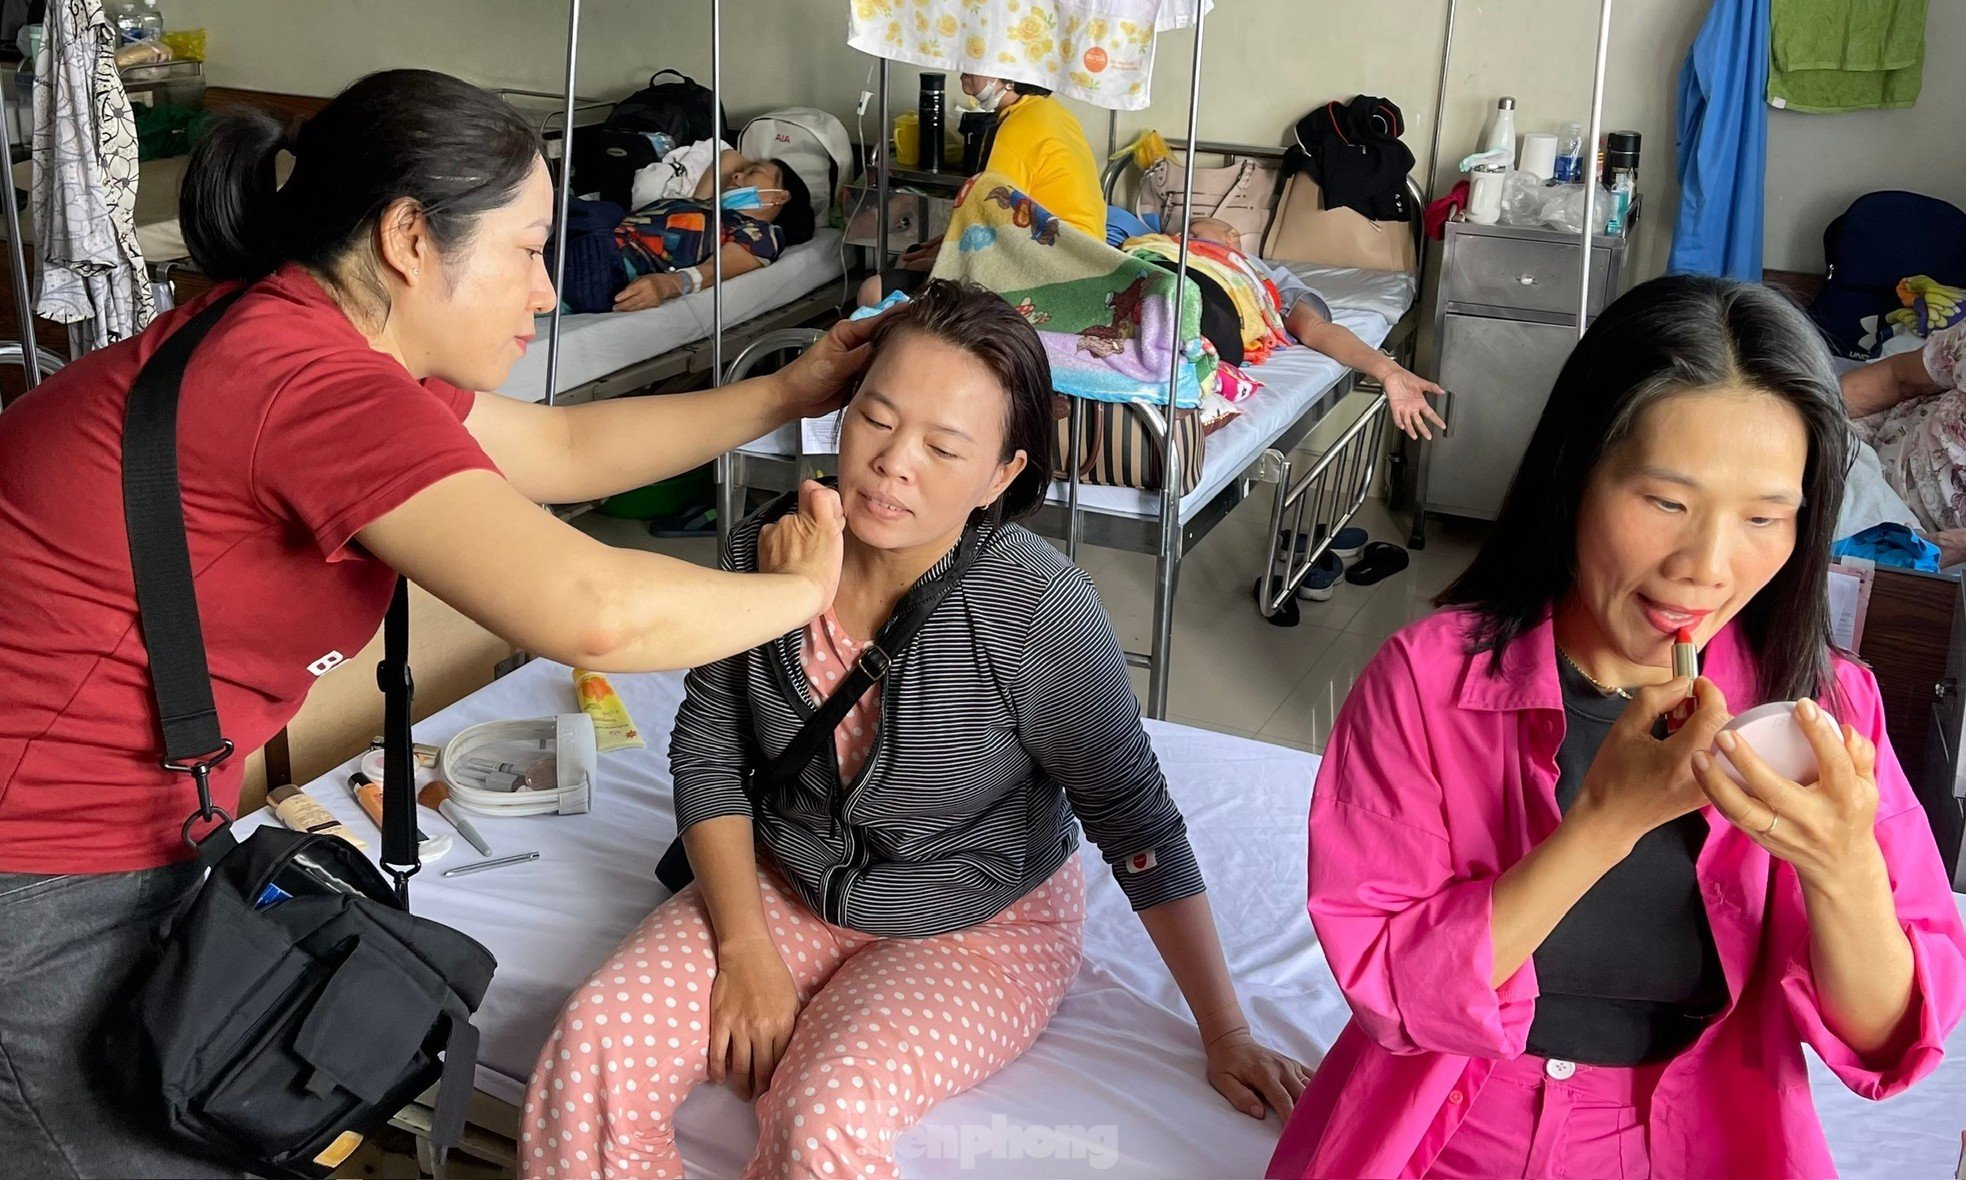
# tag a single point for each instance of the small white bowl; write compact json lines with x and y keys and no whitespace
{"x":1777,"y":737}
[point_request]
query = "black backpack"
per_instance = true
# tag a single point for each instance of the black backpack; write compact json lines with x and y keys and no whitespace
{"x":1881,"y":238}
{"x":606,"y":158}
{"x":294,"y":1005}
{"x":679,"y":110}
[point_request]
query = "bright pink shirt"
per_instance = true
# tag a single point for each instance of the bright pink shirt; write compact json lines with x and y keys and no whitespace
{"x":1439,"y":775}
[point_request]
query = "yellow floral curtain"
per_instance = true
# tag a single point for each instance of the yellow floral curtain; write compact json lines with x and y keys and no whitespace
{"x":1101,"y":51}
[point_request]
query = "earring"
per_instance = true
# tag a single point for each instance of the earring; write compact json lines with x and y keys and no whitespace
{"x":416,"y":273}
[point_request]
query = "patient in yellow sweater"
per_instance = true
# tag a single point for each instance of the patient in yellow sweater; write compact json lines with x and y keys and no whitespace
{"x":1041,"y":147}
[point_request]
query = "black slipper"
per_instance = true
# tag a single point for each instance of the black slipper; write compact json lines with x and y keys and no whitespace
{"x":1381,"y":560}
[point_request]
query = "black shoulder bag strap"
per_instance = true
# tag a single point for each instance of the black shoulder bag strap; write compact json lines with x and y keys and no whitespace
{"x":910,"y":614}
{"x":399,"y":846}
{"x":173,"y":637}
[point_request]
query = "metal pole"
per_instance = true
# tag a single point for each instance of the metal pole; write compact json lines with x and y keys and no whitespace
{"x":1112,"y":133}
{"x":1590,"y":165}
{"x":565,"y":202}
{"x":17,"y":258}
{"x":1074,"y":423}
{"x":1170,"y":517}
{"x":1440,"y":117}
{"x":880,"y":175}
{"x":717,"y":191}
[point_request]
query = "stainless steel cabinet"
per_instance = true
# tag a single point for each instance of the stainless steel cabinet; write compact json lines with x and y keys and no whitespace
{"x":1503,"y":326}
{"x":1498,"y":373}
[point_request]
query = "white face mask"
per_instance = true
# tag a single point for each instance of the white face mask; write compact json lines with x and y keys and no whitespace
{"x":991,"y":98}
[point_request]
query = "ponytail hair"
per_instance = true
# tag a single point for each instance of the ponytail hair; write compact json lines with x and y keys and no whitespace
{"x":446,"y":146}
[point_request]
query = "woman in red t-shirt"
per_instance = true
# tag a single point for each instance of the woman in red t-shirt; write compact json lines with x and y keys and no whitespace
{"x":328,"y":442}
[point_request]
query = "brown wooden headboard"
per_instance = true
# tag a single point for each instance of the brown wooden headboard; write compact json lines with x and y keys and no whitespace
{"x":1907,"y":642}
{"x":288,"y":106}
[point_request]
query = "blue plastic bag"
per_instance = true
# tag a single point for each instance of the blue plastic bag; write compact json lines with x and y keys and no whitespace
{"x":1890,"y":544}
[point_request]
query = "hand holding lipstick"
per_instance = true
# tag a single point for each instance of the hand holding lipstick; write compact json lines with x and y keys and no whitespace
{"x":1638,"y":782}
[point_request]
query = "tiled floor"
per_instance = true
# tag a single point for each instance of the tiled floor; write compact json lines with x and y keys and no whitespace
{"x":1233,"y":670}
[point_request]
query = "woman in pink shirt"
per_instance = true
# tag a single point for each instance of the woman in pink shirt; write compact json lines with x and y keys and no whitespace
{"x":1572,"y":946}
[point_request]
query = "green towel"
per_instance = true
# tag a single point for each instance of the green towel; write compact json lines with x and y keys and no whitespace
{"x":1827,"y":56}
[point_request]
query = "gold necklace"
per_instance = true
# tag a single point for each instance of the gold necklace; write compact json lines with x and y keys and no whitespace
{"x":1595,"y":683}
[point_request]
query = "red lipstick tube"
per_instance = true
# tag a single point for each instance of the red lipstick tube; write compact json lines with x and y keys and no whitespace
{"x":1685,"y":666}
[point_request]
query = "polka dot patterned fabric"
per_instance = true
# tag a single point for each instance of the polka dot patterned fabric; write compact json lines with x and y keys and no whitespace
{"x":887,"y":1028}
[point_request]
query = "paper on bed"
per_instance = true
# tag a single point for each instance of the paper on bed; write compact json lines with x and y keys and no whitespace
{"x":821,"y":436}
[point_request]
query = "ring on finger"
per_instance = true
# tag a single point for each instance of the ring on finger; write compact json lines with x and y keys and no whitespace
{"x":1773,"y":820}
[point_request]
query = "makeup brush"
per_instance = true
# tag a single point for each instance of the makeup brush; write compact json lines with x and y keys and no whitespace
{"x":437,"y":796}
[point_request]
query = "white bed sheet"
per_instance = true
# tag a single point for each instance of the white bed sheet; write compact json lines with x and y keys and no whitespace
{"x":1114,"y":1086}
{"x":1388,"y":292}
{"x":594,"y":345}
{"x":1292,"y":380}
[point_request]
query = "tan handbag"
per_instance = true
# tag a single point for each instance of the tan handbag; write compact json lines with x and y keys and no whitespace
{"x":1304,"y":231}
{"x":1242,"y":194}
{"x":1118,"y":448}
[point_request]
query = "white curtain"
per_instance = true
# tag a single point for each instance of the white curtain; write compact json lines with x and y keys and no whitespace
{"x":1100,"y":51}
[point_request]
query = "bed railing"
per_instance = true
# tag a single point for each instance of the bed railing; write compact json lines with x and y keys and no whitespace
{"x":767,"y":346}
{"x":1316,"y":506}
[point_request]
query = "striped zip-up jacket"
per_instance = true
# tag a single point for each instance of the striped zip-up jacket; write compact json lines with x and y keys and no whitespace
{"x":1007,"y":716}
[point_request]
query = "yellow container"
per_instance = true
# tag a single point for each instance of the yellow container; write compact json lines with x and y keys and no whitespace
{"x":186,"y":44}
{"x":907,"y":140}
{"x":614,"y":729}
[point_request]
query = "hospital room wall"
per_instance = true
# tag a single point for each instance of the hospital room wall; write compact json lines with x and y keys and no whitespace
{"x":1265,"y":61}
{"x":1817,"y":164}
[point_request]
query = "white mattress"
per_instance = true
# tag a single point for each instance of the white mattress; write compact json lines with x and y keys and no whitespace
{"x":594,"y":345}
{"x":1293,"y":380}
{"x":1119,"y":1062}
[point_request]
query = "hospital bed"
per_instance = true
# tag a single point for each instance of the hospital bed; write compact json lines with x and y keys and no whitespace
{"x":1113,"y":1088}
{"x":1300,"y":388}
{"x":607,"y":354}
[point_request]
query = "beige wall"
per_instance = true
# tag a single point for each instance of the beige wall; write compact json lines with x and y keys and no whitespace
{"x":1818,"y":163}
{"x":1265,"y":61}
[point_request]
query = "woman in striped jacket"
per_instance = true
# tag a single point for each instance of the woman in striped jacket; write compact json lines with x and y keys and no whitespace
{"x":914,"y":901}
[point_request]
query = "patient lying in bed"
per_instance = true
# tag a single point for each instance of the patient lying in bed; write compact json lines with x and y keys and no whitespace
{"x":666,"y":244}
{"x":898,"y":920}
{"x":1309,"y":321}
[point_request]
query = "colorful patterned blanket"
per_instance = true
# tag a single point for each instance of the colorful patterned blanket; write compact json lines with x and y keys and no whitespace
{"x":1106,"y":319}
{"x":1255,"y":297}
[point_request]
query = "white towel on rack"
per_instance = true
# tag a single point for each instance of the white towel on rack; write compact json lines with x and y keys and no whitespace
{"x":1099,"y":51}
{"x":85,"y":180}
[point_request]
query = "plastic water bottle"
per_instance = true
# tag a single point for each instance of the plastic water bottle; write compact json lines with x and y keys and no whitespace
{"x":150,"y":22}
{"x":1570,"y":154}
{"x":123,"y":16}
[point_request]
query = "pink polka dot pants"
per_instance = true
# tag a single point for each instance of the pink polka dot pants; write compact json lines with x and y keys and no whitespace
{"x":887,"y":1028}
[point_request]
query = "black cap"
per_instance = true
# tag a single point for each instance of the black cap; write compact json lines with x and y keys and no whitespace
{"x":1621,"y":141}
{"x":934,"y":81}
